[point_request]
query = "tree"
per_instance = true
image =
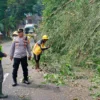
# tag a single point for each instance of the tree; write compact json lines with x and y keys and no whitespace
{"x":12,"y":12}
{"x":38,"y":8}
{"x":3,"y":7}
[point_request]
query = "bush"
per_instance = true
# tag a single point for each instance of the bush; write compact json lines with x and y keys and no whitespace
{"x":74,"y":31}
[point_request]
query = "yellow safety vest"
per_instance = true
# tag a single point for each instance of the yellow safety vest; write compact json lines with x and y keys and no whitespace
{"x":37,"y":49}
{"x":0,"y":51}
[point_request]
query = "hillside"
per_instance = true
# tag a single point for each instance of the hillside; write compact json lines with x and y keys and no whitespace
{"x":74,"y":31}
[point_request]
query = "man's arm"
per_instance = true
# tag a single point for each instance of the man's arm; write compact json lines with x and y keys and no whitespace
{"x":45,"y":48}
{"x":29,"y":49}
{"x":39,"y":43}
{"x":12,"y":50}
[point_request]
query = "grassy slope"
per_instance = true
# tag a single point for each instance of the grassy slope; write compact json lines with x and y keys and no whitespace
{"x":74,"y":33}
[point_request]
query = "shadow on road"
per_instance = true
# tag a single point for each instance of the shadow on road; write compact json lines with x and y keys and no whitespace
{"x":40,"y":86}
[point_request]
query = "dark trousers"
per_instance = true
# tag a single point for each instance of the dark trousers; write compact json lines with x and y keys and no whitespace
{"x":24,"y":64}
{"x":1,"y":73}
{"x":37,"y":58}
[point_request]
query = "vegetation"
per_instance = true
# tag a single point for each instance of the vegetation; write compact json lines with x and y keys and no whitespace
{"x":13,"y":12}
{"x":74,"y":30}
{"x":3,"y":8}
{"x":73,"y":27}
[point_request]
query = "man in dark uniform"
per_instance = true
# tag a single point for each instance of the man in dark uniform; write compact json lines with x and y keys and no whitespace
{"x":19,"y":49}
{"x":1,"y":73}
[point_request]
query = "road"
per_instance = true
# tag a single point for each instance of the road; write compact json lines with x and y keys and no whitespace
{"x":36,"y":90}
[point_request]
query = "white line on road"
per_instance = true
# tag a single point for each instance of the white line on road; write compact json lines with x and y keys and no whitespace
{"x":5,"y":76}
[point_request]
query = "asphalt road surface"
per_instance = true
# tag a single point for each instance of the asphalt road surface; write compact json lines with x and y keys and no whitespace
{"x":36,"y":90}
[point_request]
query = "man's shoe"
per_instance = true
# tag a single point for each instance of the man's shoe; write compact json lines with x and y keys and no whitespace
{"x":15,"y":84}
{"x":3,"y":96}
{"x":26,"y":82}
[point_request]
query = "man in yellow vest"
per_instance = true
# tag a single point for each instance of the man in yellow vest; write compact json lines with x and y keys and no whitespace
{"x":39,"y":47}
{"x":1,"y":73}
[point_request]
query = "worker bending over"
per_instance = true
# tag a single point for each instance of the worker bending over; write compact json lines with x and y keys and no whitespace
{"x":39,"y":47}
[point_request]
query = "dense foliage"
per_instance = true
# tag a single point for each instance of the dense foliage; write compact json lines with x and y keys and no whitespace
{"x":3,"y":7}
{"x":74,"y":30}
{"x":13,"y":11}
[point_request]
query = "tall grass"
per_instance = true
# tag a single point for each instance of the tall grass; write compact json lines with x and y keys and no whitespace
{"x":74,"y":32}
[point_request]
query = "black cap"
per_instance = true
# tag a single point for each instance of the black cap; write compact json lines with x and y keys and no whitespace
{"x":20,"y":30}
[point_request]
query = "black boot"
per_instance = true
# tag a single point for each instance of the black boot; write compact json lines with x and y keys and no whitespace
{"x":1,"y":94}
{"x":26,"y":81}
{"x":15,"y":82}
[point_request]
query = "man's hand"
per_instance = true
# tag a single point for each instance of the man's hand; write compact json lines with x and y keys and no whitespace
{"x":29,"y":58}
{"x":11,"y":58}
{"x":48,"y":47}
{"x":5,"y":55}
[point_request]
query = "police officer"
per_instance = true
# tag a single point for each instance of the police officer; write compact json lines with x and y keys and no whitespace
{"x":1,"y":73}
{"x":18,"y":52}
